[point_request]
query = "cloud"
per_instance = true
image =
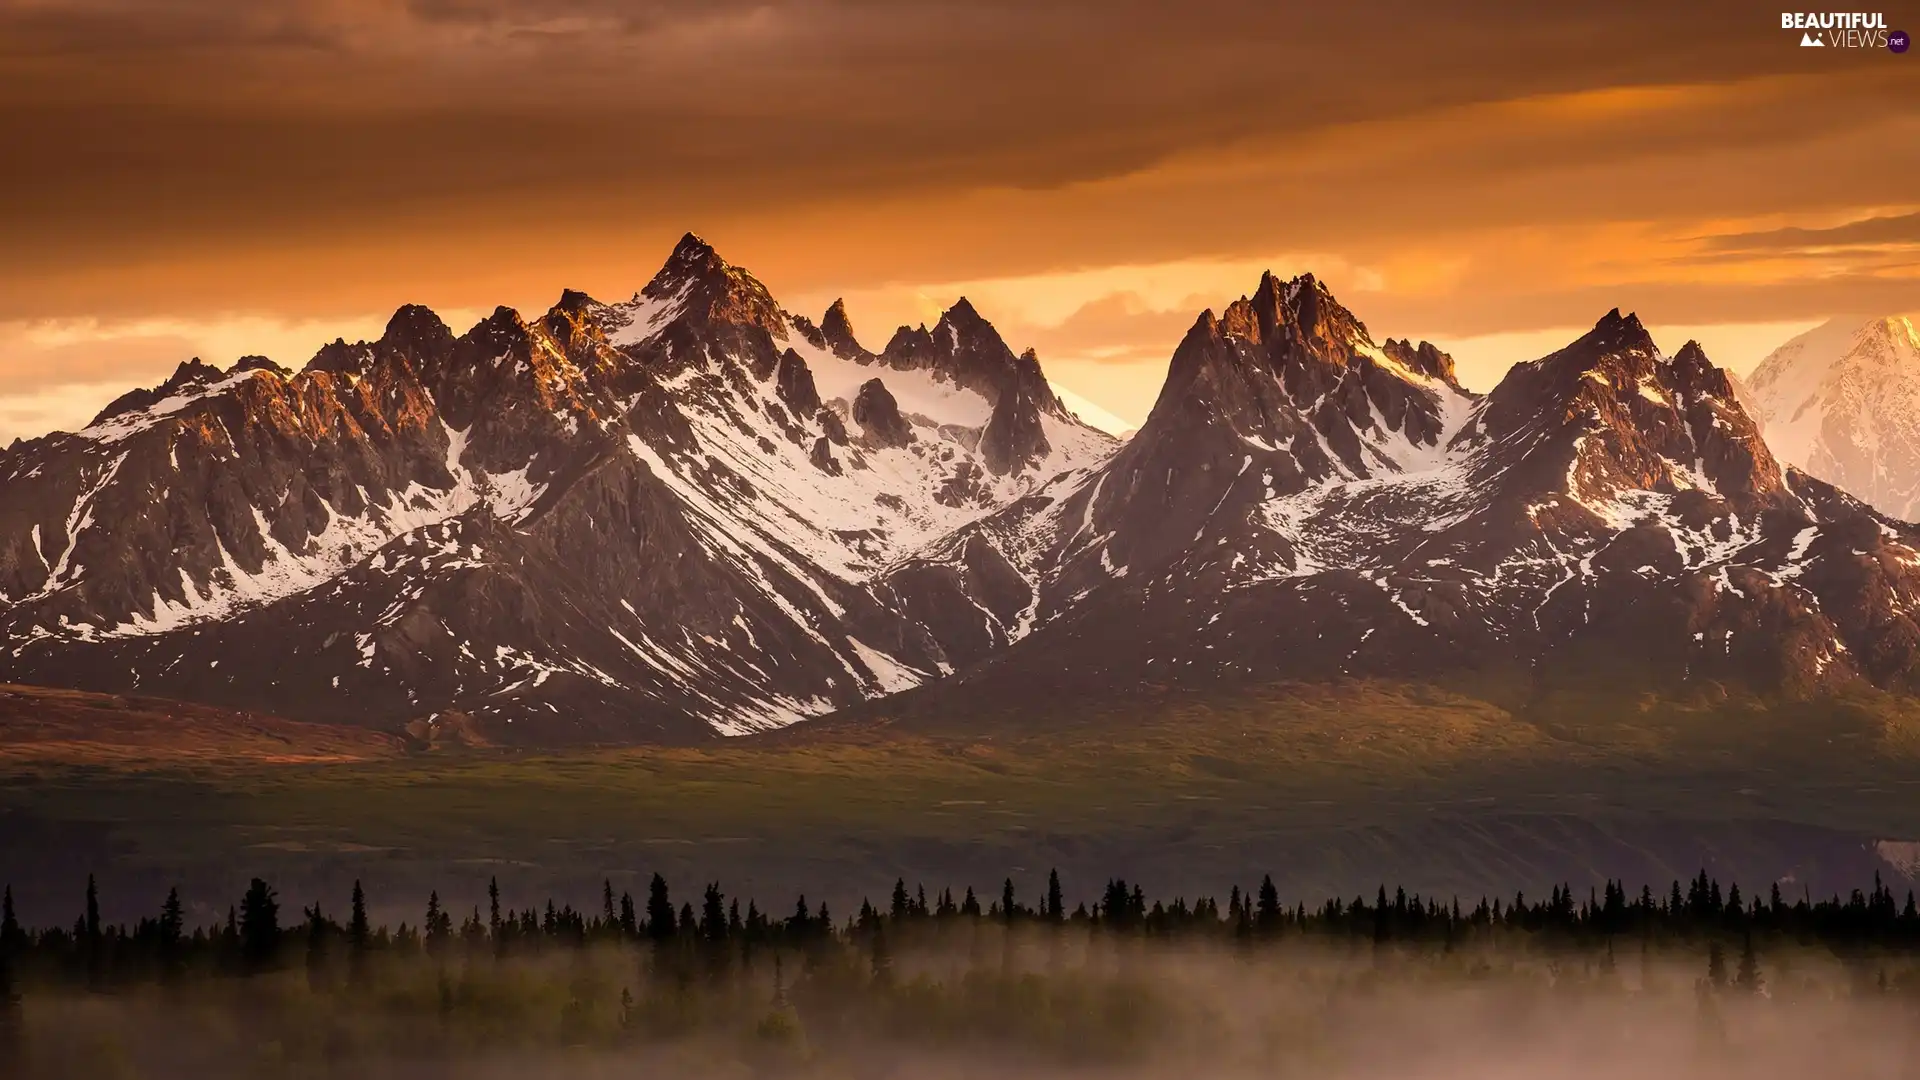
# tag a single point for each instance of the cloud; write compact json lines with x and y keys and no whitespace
{"x":1459,"y":170}
{"x":1898,"y":230}
{"x":1118,"y":327}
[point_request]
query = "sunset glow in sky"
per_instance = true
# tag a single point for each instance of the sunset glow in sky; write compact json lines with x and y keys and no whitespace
{"x":219,"y":177}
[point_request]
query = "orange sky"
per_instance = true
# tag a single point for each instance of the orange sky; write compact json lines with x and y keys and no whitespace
{"x":217,"y":177}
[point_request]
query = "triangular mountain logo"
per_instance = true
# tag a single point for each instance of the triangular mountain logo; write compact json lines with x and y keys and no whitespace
{"x":1808,"y":41}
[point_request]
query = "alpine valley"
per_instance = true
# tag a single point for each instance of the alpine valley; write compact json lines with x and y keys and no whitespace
{"x":694,"y":512}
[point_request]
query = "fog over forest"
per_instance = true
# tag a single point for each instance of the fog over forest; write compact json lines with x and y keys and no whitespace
{"x":1695,"y":983}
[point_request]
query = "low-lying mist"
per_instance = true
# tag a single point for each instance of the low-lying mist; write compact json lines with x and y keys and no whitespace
{"x":961,"y":996}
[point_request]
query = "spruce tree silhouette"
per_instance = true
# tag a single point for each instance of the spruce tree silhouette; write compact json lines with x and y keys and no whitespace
{"x":359,"y":939}
{"x":259,"y":926}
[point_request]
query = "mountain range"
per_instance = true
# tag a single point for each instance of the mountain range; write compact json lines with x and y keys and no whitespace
{"x":693,"y":511}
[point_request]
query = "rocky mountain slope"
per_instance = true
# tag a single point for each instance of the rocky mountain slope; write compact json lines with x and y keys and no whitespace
{"x":1842,"y":401}
{"x":1304,"y":503}
{"x":654,"y":518}
{"x":693,"y":512}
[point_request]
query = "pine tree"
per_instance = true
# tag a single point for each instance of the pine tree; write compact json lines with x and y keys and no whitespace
{"x":259,"y":926}
{"x":10,"y":933}
{"x":1267,"y":916}
{"x":713,"y":914}
{"x":1056,"y":905}
{"x":93,"y":914}
{"x":359,"y":938}
{"x":12,"y":940}
{"x":971,"y":905}
{"x":1006,"y":901}
{"x":91,"y":943}
{"x":608,"y":920}
{"x":12,"y":1035}
{"x":493,"y":909}
{"x":1716,"y":966}
{"x":173,"y":921}
{"x":900,"y":904}
{"x":660,"y":923}
{"x":438,"y":927}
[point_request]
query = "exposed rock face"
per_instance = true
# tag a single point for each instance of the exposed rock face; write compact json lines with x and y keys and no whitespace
{"x":633,"y":520}
{"x":879,"y":416}
{"x":1842,"y":401}
{"x":836,"y":334}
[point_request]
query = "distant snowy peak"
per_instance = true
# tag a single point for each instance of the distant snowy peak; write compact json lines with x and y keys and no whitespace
{"x":1842,"y":401}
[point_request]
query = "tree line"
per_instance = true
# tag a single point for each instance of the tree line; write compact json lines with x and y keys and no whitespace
{"x":258,"y":934}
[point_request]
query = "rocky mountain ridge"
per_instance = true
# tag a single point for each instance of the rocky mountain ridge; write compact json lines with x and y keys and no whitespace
{"x":692,"y":512}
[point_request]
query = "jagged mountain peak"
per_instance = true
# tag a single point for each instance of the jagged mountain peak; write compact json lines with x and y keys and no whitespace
{"x":966,"y":329}
{"x":258,"y":363}
{"x":577,"y":303}
{"x":1611,"y":425}
{"x":1302,"y":307}
{"x":836,"y":333}
{"x":502,"y":331}
{"x":191,"y":376}
{"x":696,"y":283}
{"x":1289,"y":363}
{"x":1615,"y":340}
{"x":1425,"y":358}
{"x":691,"y":257}
{"x":963,"y":314}
{"x":417,"y":332}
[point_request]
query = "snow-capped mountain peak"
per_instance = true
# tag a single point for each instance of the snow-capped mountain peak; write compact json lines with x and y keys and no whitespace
{"x":1842,"y":401}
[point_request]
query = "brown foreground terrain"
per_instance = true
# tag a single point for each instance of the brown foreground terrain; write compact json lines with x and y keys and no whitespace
{"x":44,"y":725}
